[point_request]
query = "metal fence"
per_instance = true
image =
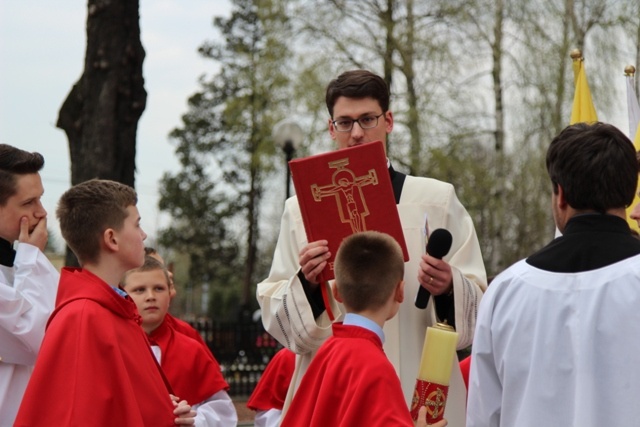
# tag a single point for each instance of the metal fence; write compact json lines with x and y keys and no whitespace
{"x":243,"y":350}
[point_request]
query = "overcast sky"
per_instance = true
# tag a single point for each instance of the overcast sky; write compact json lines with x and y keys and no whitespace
{"x":42,"y":47}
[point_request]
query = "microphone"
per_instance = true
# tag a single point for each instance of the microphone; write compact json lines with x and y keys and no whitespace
{"x":438,"y":246}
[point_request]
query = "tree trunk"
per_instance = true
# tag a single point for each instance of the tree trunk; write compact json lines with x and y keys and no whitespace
{"x":100,"y":115}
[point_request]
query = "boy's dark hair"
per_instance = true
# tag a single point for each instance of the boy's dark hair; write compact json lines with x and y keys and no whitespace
{"x":596,"y":166}
{"x":357,"y":84}
{"x":150,"y":264}
{"x":14,"y":161}
{"x":86,"y":210}
{"x":368,"y":267}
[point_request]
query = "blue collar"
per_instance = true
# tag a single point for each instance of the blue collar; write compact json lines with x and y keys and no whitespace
{"x":119,"y":291}
{"x":353,"y":319}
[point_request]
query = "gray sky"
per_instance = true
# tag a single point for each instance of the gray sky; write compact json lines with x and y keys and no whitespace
{"x":42,"y":46}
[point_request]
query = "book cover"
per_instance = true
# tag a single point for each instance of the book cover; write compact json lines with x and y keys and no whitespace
{"x":343,"y":192}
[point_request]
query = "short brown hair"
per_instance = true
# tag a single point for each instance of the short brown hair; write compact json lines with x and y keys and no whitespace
{"x":357,"y":84}
{"x":14,"y":161}
{"x":368,"y":267}
{"x":150,"y":264}
{"x":596,"y":166}
{"x":86,"y":210}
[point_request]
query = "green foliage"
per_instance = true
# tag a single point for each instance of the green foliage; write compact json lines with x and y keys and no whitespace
{"x":225,"y":148}
{"x":479,"y":89}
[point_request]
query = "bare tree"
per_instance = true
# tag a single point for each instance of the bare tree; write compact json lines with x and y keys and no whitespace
{"x":100,"y":115}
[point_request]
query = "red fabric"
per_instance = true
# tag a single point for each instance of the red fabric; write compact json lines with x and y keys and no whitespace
{"x":95,"y":366}
{"x":271,"y":390}
{"x":193,"y":373}
{"x":185,"y":328}
{"x":344,"y":191}
{"x":465,"y":367}
{"x":349,"y":383}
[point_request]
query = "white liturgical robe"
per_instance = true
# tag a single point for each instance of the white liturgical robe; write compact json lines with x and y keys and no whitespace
{"x":558,"y":349}
{"x":27,"y":297}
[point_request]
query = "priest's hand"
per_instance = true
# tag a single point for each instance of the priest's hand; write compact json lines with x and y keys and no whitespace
{"x":435,"y":275}
{"x":422,"y":419}
{"x":313,"y":259}
{"x":185,"y":415}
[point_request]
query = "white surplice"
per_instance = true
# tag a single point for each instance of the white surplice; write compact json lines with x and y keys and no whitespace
{"x":558,"y":349}
{"x":27,"y":298}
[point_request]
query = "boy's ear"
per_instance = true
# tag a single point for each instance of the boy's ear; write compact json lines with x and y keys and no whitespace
{"x":336,"y":292}
{"x":399,"y":293}
{"x":110,"y":240}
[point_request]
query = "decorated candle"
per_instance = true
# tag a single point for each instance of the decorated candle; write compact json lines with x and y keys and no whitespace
{"x":432,"y":385}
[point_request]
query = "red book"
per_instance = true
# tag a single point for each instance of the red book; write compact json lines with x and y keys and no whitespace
{"x":345,"y":191}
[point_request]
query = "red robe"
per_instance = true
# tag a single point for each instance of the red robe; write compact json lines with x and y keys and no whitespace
{"x":271,"y":390}
{"x":349,"y":383}
{"x":185,"y":328}
{"x":95,"y":367}
{"x":465,"y":367}
{"x":193,"y":373}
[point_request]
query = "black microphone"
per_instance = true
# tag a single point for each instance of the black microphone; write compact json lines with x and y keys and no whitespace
{"x":438,"y":246}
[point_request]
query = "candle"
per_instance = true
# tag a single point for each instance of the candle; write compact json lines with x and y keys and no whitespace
{"x":437,"y":354}
{"x":432,"y":385}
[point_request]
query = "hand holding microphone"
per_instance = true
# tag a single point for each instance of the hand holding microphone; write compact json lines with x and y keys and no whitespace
{"x":438,"y":246}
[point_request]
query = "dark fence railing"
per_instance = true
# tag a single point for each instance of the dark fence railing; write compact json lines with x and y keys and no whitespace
{"x":243,"y":350}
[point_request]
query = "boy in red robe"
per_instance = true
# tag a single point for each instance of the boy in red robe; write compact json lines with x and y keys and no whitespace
{"x":192,"y":371}
{"x":178,"y":325}
{"x":350,"y":381}
{"x":95,"y":365}
{"x":270,"y":393}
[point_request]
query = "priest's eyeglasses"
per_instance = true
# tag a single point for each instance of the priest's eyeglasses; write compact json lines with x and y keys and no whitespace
{"x":366,"y":122}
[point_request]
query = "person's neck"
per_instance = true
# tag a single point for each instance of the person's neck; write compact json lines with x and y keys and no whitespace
{"x":570,"y":213}
{"x":378,"y":316}
{"x":111,"y":273}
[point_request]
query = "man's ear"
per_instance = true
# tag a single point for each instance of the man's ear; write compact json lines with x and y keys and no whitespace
{"x":389,"y":120}
{"x":332,"y":130}
{"x":110,"y":240}
{"x":399,"y":293}
{"x":335,"y":292}
{"x":561,"y":200}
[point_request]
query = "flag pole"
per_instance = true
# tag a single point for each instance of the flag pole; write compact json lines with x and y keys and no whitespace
{"x":576,"y":56}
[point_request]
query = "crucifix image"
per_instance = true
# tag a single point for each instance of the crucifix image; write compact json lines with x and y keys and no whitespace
{"x":347,"y":190}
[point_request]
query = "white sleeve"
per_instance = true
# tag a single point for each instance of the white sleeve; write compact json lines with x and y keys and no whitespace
{"x":26,"y":302}
{"x":484,"y":405}
{"x":286,"y":312}
{"x":270,"y":418}
{"x":216,"y":411}
{"x":467,"y":268}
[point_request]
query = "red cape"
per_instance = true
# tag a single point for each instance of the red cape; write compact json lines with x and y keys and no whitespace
{"x":350,"y":382}
{"x":95,"y":366}
{"x":185,"y":328}
{"x":465,"y":367}
{"x":192,"y":372}
{"x":271,"y":390}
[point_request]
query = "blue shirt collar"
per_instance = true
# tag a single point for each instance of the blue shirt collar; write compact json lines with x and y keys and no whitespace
{"x":364,"y":322}
{"x":119,"y":291}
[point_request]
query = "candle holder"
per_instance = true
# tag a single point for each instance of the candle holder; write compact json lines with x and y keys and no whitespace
{"x":432,"y":384}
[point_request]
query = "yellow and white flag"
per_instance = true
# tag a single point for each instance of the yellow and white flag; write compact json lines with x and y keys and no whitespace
{"x":634,"y":133}
{"x":583,"y":109}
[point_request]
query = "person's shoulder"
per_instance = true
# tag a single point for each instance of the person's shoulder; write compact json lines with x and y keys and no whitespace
{"x":432,"y":183}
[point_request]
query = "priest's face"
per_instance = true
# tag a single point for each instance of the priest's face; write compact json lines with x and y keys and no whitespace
{"x":150,"y":291}
{"x":363,"y":117}
{"x":25,"y":203}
